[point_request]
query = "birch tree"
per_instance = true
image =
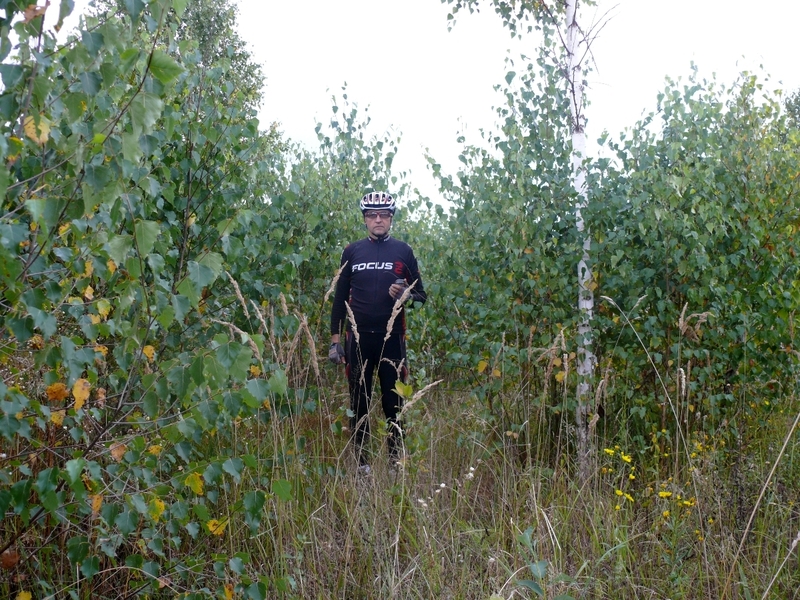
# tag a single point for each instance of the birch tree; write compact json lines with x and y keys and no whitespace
{"x":575,"y":43}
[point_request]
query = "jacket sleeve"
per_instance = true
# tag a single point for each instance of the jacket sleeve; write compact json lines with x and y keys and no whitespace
{"x":418,"y":293}
{"x":342,"y":293}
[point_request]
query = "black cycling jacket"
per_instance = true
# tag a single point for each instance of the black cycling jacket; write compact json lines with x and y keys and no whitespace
{"x":371,"y":267}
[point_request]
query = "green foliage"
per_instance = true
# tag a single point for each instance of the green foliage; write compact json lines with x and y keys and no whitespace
{"x":697,"y":243}
{"x":127,"y":179}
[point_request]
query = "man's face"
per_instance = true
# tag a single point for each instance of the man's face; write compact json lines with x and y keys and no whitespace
{"x":378,"y":222}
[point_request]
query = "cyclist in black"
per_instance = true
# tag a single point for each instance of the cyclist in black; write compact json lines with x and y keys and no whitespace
{"x":377,"y":271}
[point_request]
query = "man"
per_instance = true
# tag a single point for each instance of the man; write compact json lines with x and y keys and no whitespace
{"x":376,"y":272}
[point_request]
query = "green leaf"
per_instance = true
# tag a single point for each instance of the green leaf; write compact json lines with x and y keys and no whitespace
{"x":538,"y":569}
{"x":164,"y":67}
{"x":236,"y":565}
{"x":200,"y":275}
{"x":135,"y":8}
{"x":64,"y":10}
{"x":278,"y":383}
{"x":90,"y":566}
{"x":118,"y":248}
{"x":11,"y":75}
{"x":282,"y":489}
{"x":146,"y":234}
{"x":91,"y":83}
{"x":77,"y":549}
{"x":127,"y":521}
{"x":531,"y":585}
{"x":213,"y":261}
{"x":179,"y":6}
{"x":254,"y":502}
{"x":145,"y":110}
{"x":131,"y":149}
{"x":233,"y":467}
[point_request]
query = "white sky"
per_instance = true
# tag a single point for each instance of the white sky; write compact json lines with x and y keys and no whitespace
{"x":430,"y":85}
{"x":398,"y":58}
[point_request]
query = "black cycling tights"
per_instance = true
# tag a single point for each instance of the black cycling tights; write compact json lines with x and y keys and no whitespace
{"x":362,"y":358}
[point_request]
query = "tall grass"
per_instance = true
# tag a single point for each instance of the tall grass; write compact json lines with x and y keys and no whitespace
{"x":476,"y":509}
{"x":485,"y":504}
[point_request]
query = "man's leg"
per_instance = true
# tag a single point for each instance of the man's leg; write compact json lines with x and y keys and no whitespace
{"x":359,"y":379}
{"x":391,"y":369}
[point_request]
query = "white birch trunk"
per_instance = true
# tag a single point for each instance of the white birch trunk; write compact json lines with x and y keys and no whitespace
{"x":576,"y":51}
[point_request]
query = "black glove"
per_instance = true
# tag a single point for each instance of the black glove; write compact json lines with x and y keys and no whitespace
{"x":336,"y":353}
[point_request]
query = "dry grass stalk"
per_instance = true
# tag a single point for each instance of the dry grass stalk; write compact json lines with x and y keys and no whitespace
{"x":294,"y":344}
{"x":263,"y":329}
{"x":284,"y":306}
{"x":238,"y":294}
{"x":234,"y":330}
{"x":551,"y":354}
{"x":311,"y":345}
{"x":398,"y":306}
{"x":398,"y":367}
{"x":334,"y":282}
{"x":351,"y":317}
{"x":418,"y":395}
{"x":761,"y":495}
{"x":780,"y":568}
{"x":276,"y":351}
{"x":685,"y":324}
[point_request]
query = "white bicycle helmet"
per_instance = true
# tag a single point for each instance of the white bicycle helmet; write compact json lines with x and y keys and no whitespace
{"x":377,"y":201}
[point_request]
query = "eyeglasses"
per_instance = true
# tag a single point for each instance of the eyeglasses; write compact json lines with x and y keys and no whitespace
{"x":374,"y":214}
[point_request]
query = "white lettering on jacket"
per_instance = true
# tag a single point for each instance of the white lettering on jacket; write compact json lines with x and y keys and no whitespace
{"x":373,"y":266}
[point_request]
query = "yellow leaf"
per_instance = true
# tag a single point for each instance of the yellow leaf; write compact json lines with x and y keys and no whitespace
{"x":560,"y":376}
{"x":496,"y":373}
{"x":88,"y":293}
{"x":89,"y":269}
{"x":31,"y":12}
{"x":103,"y":307}
{"x":482,"y":366}
{"x":95,"y":319}
{"x":80,"y":391}
{"x":149,"y":352}
{"x":156,"y":508}
{"x":63,"y":229}
{"x":57,"y":417}
{"x":228,"y":591}
{"x":97,"y":502}
{"x":403,"y":389}
{"x":528,"y":251}
{"x":118,"y":451}
{"x":557,"y":362}
{"x":194,"y":482}
{"x":255,"y":371}
{"x":215,"y":527}
{"x":112,"y":266}
{"x":24,"y":596}
{"x":57,"y":392}
{"x":39,"y":134}
{"x":155,"y":449}
{"x":101,"y":349}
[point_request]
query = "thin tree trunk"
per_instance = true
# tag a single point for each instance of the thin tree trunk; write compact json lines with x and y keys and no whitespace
{"x":586,"y":357}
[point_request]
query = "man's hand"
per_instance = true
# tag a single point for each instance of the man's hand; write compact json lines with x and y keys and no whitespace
{"x":336,"y":353}
{"x":397,"y":289}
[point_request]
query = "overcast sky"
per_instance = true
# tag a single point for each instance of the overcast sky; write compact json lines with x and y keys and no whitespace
{"x":430,"y":85}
